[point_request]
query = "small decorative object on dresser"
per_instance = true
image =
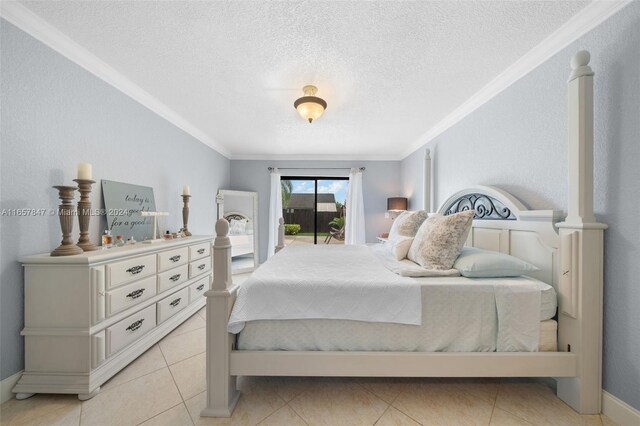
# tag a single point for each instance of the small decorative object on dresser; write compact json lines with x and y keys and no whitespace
{"x":88,"y":316}
{"x":154,"y":215}
{"x":65,"y":211}
{"x":186,"y":194}
{"x":84,"y":208}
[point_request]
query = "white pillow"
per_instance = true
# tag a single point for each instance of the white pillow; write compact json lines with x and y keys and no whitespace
{"x":477,"y":263}
{"x":237,"y":226}
{"x":398,"y":246}
{"x":407,"y":224}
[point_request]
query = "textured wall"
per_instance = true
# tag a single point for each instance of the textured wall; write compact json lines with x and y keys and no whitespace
{"x":55,"y":115}
{"x":380,"y":181}
{"x":517,"y":141}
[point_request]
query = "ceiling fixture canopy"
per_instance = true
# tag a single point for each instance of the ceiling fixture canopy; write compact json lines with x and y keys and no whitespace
{"x":310,"y":107}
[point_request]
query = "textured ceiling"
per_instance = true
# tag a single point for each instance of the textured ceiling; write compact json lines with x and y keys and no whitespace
{"x":389,"y":71}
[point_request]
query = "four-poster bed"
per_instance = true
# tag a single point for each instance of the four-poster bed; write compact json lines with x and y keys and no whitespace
{"x":569,"y":257}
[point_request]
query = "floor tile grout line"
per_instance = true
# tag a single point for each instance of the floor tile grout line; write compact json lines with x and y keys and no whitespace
{"x":296,"y":395}
{"x":272,"y":413}
{"x":382,"y":415}
{"x":298,"y":414}
{"x":103,"y":391}
{"x":185,"y":404}
{"x":80,"y":416}
{"x":406,"y":414}
{"x":176,"y":383}
{"x":130,"y":380}
{"x":495,"y":401}
{"x":507,"y":411}
{"x":184,"y":332}
{"x":162,"y":412}
{"x":182,"y":360}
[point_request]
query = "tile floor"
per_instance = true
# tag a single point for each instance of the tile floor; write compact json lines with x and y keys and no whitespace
{"x":166,"y":386}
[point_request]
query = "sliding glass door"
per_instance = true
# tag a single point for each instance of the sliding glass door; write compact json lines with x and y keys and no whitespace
{"x":314,"y":209}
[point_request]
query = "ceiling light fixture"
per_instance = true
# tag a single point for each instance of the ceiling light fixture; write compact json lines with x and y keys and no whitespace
{"x":310,"y":107}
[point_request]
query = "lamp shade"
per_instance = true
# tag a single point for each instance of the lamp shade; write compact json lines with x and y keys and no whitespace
{"x":310,"y":107}
{"x":396,"y":204}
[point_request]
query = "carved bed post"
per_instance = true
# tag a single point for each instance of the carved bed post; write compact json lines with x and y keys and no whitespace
{"x":280,"y":243}
{"x":427,"y":181}
{"x":222,"y":395}
{"x":581,"y":263}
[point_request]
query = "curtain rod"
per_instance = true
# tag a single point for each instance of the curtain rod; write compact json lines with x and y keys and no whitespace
{"x":362,"y":169}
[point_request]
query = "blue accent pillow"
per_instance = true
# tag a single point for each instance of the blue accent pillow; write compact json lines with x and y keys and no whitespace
{"x":477,"y":263}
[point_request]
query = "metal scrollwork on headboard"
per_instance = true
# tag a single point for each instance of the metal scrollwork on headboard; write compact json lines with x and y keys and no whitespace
{"x":486,"y":207}
{"x":234,"y":216}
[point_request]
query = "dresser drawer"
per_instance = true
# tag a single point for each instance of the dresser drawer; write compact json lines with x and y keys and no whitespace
{"x":173,"y":304}
{"x":130,"y":329}
{"x":172,"y":278}
{"x":172,"y":258}
{"x":199,"y":250}
{"x":131,"y":269}
{"x":199,"y":267}
{"x":197,"y":289}
{"x":130,"y":295}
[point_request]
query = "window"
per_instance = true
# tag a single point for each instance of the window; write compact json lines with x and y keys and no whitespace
{"x":314,"y":209}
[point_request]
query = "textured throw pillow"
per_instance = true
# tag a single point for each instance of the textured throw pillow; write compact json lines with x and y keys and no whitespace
{"x":440,"y":239}
{"x":407,"y":224}
{"x":477,"y":263}
{"x":398,"y":246}
{"x":237,"y":226}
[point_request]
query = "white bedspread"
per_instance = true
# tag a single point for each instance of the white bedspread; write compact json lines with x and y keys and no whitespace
{"x":326,"y":282}
{"x":518,"y":309}
{"x":458,"y":315}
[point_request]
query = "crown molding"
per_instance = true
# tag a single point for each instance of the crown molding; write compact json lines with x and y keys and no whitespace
{"x":41,"y":30}
{"x":582,"y":22}
{"x":314,"y":157}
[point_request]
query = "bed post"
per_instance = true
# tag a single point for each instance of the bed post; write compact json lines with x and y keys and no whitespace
{"x":427,"y":181}
{"x":280,"y":243}
{"x":581,"y":250}
{"x":222,"y":394}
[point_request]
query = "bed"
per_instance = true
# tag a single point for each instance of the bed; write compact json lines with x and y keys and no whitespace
{"x":240,"y":233}
{"x":245,"y":338}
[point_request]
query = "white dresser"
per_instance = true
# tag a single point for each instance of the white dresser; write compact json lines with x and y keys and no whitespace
{"x":88,"y":316}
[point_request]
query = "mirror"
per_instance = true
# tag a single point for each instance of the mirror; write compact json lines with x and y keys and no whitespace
{"x":240,"y":209}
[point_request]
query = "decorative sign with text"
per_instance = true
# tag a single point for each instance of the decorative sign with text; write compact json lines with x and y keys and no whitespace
{"x":123,"y":203}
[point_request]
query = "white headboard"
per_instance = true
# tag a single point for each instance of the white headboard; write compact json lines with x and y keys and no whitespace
{"x":502,"y":223}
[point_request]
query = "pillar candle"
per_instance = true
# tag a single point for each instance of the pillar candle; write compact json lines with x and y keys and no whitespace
{"x":185,"y":190}
{"x":84,"y":171}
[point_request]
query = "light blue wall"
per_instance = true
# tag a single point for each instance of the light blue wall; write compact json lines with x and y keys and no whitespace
{"x":517,"y":141}
{"x":55,"y":115}
{"x":380,"y":180}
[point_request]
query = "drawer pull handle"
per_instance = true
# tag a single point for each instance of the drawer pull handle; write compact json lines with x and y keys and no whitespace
{"x":175,"y":277}
{"x":175,"y":258}
{"x":176,"y":302}
{"x":200,"y":251}
{"x":136,"y":293}
{"x":200,"y":287}
{"x":136,"y":325}
{"x":201,"y":267}
{"x":134,"y":270}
